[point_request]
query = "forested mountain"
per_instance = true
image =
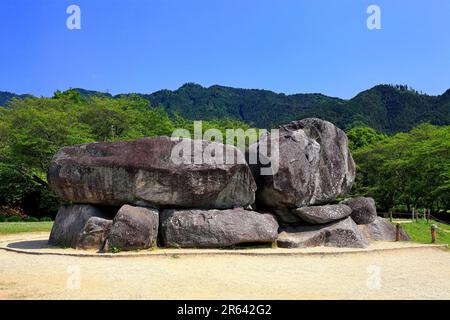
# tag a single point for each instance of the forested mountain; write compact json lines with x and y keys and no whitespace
{"x":6,"y":96}
{"x":386,"y":108}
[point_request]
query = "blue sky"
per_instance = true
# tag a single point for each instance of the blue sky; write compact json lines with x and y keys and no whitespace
{"x":289,"y":46}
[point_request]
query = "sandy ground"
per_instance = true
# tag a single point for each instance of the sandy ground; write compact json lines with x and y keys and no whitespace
{"x":414,"y":273}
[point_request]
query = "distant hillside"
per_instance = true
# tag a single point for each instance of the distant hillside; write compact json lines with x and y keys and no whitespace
{"x":386,"y":108}
{"x":6,"y":96}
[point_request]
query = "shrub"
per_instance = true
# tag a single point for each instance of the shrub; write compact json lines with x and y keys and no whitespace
{"x":43,"y":219}
{"x":31,"y":219}
{"x":115,"y":250}
{"x":14,"y":219}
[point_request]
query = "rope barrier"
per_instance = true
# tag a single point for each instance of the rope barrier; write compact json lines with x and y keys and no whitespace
{"x":438,"y":220}
{"x":410,"y":214}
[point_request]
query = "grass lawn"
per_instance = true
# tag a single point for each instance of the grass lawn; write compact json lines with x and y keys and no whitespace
{"x":420,"y":231}
{"x":18,"y":227}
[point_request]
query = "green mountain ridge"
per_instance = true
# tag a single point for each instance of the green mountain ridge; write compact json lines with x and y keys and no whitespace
{"x":6,"y":96}
{"x":386,"y":108}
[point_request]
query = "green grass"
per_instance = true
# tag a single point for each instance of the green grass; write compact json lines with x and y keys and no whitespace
{"x":420,"y":231}
{"x":19,"y":227}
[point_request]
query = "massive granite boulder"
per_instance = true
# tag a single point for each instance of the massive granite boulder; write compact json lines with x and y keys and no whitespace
{"x":323,"y":214}
{"x":94,"y":233}
{"x":216,"y":228}
{"x":133,"y":228}
{"x":314,"y":167}
{"x":342,"y":233}
{"x":69,"y":223}
{"x":363,"y":209}
{"x":143,"y":172}
{"x":382,"y":230}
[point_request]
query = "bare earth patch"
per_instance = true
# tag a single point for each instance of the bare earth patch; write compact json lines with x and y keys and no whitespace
{"x":407,"y":271}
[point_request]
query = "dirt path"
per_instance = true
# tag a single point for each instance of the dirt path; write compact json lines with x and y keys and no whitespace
{"x":420,"y":273}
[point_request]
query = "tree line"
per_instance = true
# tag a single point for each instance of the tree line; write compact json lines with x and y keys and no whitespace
{"x":33,"y":129}
{"x":403,"y":171}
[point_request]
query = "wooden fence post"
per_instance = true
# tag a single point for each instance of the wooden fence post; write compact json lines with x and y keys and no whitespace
{"x":397,"y":232}
{"x":433,"y":233}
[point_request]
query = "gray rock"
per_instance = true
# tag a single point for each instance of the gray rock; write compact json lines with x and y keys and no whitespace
{"x":143,"y":172}
{"x":216,"y":228}
{"x":315,"y":166}
{"x":342,"y":233}
{"x":94,"y":234}
{"x":382,"y":230}
{"x":69,"y":223}
{"x":323,"y":214}
{"x":363,"y":209}
{"x":301,"y":237}
{"x":133,"y":228}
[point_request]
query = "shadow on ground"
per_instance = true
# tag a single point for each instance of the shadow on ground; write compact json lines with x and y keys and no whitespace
{"x":31,"y":244}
